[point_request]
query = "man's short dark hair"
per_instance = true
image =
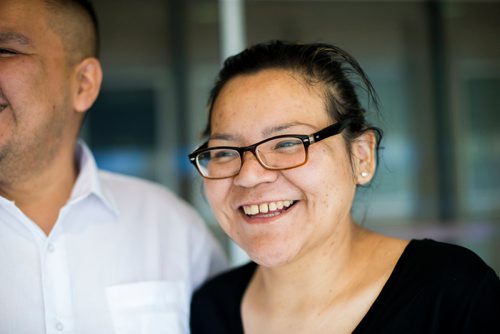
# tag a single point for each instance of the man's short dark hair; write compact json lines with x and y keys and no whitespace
{"x":76,"y":23}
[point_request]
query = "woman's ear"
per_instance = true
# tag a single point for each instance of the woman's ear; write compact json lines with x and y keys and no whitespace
{"x":88,"y":76}
{"x":364,"y":157}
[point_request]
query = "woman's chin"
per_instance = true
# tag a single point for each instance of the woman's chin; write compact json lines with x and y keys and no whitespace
{"x":270,"y":258}
{"x":268,"y":249}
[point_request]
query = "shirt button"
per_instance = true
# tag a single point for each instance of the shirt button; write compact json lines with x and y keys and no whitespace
{"x":51,"y":247}
{"x":59,"y":326}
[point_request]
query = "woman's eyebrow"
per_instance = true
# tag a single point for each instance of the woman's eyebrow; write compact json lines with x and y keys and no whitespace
{"x":267,"y":132}
{"x":222,"y":136}
{"x":278,"y":128}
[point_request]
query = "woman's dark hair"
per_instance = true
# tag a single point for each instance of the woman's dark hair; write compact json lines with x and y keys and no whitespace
{"x":318,"y":63}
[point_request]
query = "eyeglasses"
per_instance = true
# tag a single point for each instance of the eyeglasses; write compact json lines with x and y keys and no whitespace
{"x":275,"y":153}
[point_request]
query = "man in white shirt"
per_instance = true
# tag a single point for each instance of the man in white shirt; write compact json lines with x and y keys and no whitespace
{"x":81,"y":250}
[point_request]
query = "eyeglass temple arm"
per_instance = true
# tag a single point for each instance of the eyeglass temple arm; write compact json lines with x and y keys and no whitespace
{"x":329,"y":131}
{"x":192,"y":155}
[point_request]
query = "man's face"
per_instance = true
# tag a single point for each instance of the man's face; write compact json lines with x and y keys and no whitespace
{"x":35,"y":89}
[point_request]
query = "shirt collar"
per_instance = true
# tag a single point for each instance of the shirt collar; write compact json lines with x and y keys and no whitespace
{"x":88,"y":182}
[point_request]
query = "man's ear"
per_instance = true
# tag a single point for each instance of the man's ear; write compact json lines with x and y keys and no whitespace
{"x":364,"y":157}
{"x":88,"y":76}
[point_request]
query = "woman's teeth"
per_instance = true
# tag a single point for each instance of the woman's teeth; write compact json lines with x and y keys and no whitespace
{"x":255,"y":209}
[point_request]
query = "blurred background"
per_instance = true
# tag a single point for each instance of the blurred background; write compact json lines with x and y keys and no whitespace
{"x":435,"y":65}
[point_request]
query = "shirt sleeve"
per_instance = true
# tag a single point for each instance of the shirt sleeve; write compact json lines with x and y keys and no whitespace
{"x":207,"y":256}
{"x":483,"y":309}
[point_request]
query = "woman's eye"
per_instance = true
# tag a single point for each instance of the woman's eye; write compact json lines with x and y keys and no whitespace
{"x":287,"y":144}
{"x":224,"y":155}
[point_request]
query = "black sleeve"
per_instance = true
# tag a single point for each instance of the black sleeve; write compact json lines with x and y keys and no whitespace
{"x":481,"y":311}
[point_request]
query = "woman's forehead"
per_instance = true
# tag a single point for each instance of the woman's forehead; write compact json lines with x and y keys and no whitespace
{"x":277,"y":95}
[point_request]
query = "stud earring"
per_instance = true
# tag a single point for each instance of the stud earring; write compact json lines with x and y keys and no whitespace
{"x":364,"y":174}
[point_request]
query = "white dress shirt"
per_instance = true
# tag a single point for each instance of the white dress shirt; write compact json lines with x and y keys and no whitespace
{"x":123,"y":257}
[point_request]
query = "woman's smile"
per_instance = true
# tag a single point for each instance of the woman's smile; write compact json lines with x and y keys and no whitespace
{"x":264,"y":211}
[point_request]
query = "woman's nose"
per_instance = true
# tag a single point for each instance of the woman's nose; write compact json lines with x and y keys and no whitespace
{"x":252,"y":172}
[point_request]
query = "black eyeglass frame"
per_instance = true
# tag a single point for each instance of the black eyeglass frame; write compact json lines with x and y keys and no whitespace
{"x":307,"y":140}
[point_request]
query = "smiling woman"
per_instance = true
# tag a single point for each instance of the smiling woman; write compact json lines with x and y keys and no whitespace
{"x":288,"y":145}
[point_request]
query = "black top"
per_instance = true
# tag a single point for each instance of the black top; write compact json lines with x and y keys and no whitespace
{"x":435,"y":288}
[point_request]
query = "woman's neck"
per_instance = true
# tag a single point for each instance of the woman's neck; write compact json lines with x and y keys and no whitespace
{"x":318,"y":275}
{"x":333,"y":289}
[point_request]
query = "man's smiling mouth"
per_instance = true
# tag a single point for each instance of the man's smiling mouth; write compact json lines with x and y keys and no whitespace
{"x":268,"y":208}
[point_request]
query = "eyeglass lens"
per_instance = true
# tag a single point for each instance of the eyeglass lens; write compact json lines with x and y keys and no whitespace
{"x":279,"y":153}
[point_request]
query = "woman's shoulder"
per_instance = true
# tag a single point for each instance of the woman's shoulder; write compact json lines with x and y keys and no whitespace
{"x":443,"y":257}
{"x":443,"y":266}
{"x":436,"y":285}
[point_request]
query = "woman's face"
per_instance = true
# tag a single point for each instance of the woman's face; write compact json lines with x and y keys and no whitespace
{"x":254,"y":107}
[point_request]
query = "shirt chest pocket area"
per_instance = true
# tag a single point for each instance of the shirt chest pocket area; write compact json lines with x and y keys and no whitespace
{"x":151,"y":307}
